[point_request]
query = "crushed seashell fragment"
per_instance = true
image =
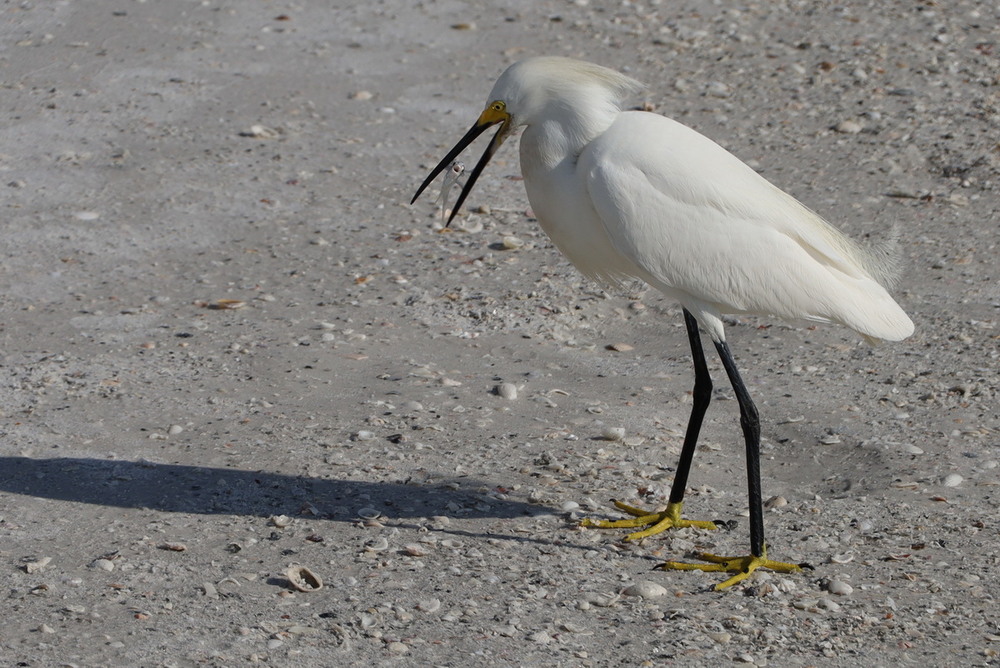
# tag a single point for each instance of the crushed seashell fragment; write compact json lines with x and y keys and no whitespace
{"x":303,"y":579}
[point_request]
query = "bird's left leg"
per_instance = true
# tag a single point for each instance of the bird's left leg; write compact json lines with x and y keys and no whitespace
{"x":670,"y":518}
{"x":742,"y":567}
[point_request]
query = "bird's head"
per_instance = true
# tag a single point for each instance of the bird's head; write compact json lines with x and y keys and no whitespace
{"x":531,"y":90}
{"x":495,"y":113}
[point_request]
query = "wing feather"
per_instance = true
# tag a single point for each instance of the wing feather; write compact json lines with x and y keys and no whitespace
{"x":696,"y":221}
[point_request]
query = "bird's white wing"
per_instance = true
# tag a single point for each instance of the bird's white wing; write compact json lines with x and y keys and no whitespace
{"x":697,"y":222}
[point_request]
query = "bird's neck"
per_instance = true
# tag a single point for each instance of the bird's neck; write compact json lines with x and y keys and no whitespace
{"x":561,"y":136}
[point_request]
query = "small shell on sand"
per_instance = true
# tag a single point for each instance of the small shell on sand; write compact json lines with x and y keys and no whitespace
{"x":36,"y":566}
{"x":303,"y":579}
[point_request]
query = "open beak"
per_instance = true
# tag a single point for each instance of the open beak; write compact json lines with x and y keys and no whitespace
{"x":488,"y":118}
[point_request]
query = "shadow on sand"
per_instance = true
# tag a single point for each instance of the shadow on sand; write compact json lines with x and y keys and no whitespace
{"x":223,"y":491}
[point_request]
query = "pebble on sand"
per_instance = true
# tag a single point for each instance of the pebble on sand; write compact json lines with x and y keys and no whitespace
{"x":849,"y":127}
{"x":645,"y":589}
{"x":397,"y":648}
{"x":839,"y":588}
{"x":103,"y":564}
{"x":616,"y":434}
{"x":507,"y":391}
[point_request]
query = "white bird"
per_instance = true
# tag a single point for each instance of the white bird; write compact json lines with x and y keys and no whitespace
{"x":634,"y":195}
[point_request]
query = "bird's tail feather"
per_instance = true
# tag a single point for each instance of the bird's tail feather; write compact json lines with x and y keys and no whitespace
{"x":883,"y":259}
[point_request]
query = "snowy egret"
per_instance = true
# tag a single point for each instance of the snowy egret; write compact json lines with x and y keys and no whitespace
{"x":634,"y":195}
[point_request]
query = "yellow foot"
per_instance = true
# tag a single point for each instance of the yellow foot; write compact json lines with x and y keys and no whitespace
{"x":741,"y":566}
{"x":654,"y":522}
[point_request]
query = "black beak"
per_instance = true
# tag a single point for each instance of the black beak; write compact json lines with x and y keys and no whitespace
{"x":470,"y":136}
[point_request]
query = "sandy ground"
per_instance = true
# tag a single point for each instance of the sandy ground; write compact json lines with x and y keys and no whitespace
{"x":166,"y":457}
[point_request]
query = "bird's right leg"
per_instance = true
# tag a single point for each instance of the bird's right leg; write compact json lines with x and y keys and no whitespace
{"x":741,"y":567}
{"x":670,"y":517}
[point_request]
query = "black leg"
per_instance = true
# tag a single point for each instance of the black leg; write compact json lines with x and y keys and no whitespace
{"x":702,"y":397}
{"x":750,"y":422}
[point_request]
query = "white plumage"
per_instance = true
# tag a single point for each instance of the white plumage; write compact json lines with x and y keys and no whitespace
{"x":634,"y":195}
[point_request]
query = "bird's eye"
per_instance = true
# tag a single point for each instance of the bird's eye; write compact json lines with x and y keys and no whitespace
{"x":498,"y":106}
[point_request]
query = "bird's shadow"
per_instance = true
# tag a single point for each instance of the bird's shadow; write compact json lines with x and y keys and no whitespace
{"x":223,"y":491}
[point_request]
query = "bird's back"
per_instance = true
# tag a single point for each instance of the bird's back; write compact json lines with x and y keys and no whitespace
{"x":700,"y":224}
